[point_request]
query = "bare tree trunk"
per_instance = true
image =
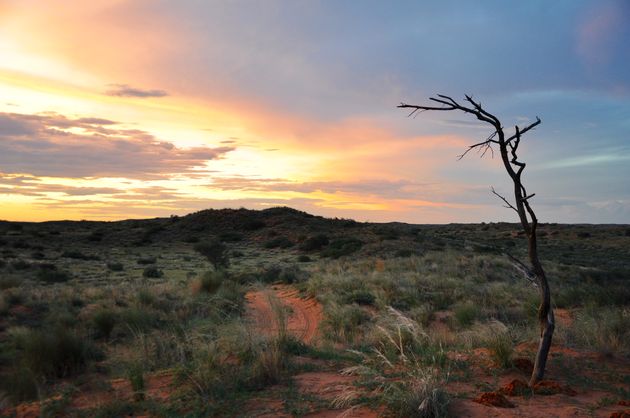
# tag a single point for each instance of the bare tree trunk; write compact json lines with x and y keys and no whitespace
{"x":508,"y":149}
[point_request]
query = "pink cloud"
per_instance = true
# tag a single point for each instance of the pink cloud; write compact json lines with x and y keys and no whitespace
{"x":597,"y":32}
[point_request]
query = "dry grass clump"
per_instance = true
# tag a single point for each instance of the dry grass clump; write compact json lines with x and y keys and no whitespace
{"x":604,"y":329}
{"x":422,"y":395}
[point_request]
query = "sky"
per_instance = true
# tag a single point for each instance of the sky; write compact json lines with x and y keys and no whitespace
{"x":116,"y":109}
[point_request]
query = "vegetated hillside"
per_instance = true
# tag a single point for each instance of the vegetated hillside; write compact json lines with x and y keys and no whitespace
{"x":596,"y":246}
{"x":126,"y":317}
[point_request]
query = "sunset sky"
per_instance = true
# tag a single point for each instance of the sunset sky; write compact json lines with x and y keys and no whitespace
{"x":114,"y":109}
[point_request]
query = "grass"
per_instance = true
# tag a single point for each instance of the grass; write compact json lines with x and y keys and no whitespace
{"x":421,"y":396}
{"x":501,"y":349}
{"x":397,"y":301}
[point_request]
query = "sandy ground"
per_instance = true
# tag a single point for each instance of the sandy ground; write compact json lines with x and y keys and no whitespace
{"x":304,"y":315}
{"x":321,"y":390}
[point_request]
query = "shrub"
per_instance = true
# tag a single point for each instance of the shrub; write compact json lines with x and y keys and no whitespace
{"x":284,"y":274}
{"x":253,"y":225}
{"x":466,"y":313}
{"x":145,"y":297}
{"x":53,"y":353}
{"x":38,"y":255}
{"x":361,"y":297}
{"x":279,"y":242}
{"x":152,"y":272}
{"x":341,"y":247}
{"x":52,"y":275}
{"x":78,"y":255}
{"x":342,"y":322}
{"x":19,"y":384}
{"x":216,"y":253}
{"x":303,"y":258}
{"x":104,"y":321}
{"x":115,"y":266}
{"x":137,"y":319}
{"x":421,"y":396}
{"x":96,"y":236}
{"x":231,"y":236}
{"x":314,"y":243}
{"x":606,"y":329}
{"x":135,"y":374}
{"x":501,"y":349}
{"x":147,"y":260}
{"x":210,"y":282}
{"x":20,"y":265}
{"x":8,"y":283}
{"x":404,"y":253}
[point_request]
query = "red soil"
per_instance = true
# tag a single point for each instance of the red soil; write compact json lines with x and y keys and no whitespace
{"x":516,"y":387}
{"x":523,"y":364}
{"x":494,"y":399}
{"x":304,"y":317}
{"x":548,"y":387}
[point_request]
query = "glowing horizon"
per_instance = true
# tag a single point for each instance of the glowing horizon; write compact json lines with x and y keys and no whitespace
{"x":116,"y":109}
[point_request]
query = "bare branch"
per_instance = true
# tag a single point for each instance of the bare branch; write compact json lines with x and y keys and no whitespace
{"x":528,"y":197}
{"x":508,"y":148}
{"x":522,"y":267}
{"x":508,"y":205}
{"x":522,"y":131}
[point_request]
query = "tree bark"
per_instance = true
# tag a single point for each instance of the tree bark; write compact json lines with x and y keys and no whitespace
{"x":508,"y":150}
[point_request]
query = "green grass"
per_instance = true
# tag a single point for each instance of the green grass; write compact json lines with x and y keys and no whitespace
{"x":137,"y":293}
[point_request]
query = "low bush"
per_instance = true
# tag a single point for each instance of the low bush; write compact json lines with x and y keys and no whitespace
{"x":279,"y":242}
{"x":20,"y":265}
{"x":360,"y":297}
{"x":342,"y":247}
{"x":115,"y":266}
{"x":342,"y":322}
{"x":605,"y":329}
{"x":19,"y":384}
{"x":52,"y":275}
{"x":314,"y":243}
{"x":231,"y":236}
{"x":253,"y":225}
{"x":303,"y":258}
{"x":135,"y":374}
{"x":104,"y":321}
{"x":501,"y":349}
{"x":421,"y":396}
{"x":147,"y":260}
{"x":78,"y":255}
{"x":9,"y":282}
{"x":210,"y":282}
{"x":216,"y":253}
{"x":55,"y":353}
{"x":152,"y":272}
{"x":466,"y":313}
{"x":138,"y":319}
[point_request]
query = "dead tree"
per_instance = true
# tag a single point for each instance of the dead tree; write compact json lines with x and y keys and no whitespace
{"x":508,"y":147}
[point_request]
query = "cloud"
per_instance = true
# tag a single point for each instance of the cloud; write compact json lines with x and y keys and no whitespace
{"x":57,"y":146}
{"x":125,"y":90}
{"x":596,"y":36}
{"x":602,"y":159}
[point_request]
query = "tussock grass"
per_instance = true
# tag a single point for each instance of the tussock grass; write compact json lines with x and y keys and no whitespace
{"x":606,"y":330}
{"x":421,"y":396}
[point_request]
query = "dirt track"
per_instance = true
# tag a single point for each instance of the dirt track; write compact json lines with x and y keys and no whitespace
{"x":303,"y":314}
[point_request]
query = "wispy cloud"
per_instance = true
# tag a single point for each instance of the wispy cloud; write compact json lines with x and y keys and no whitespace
{"x":57,"y":146}
{"x":125,"y":90}
{"x":588,"y":160}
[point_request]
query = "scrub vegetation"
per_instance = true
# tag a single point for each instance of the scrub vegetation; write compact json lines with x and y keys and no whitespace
{"x":158,"y":317}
